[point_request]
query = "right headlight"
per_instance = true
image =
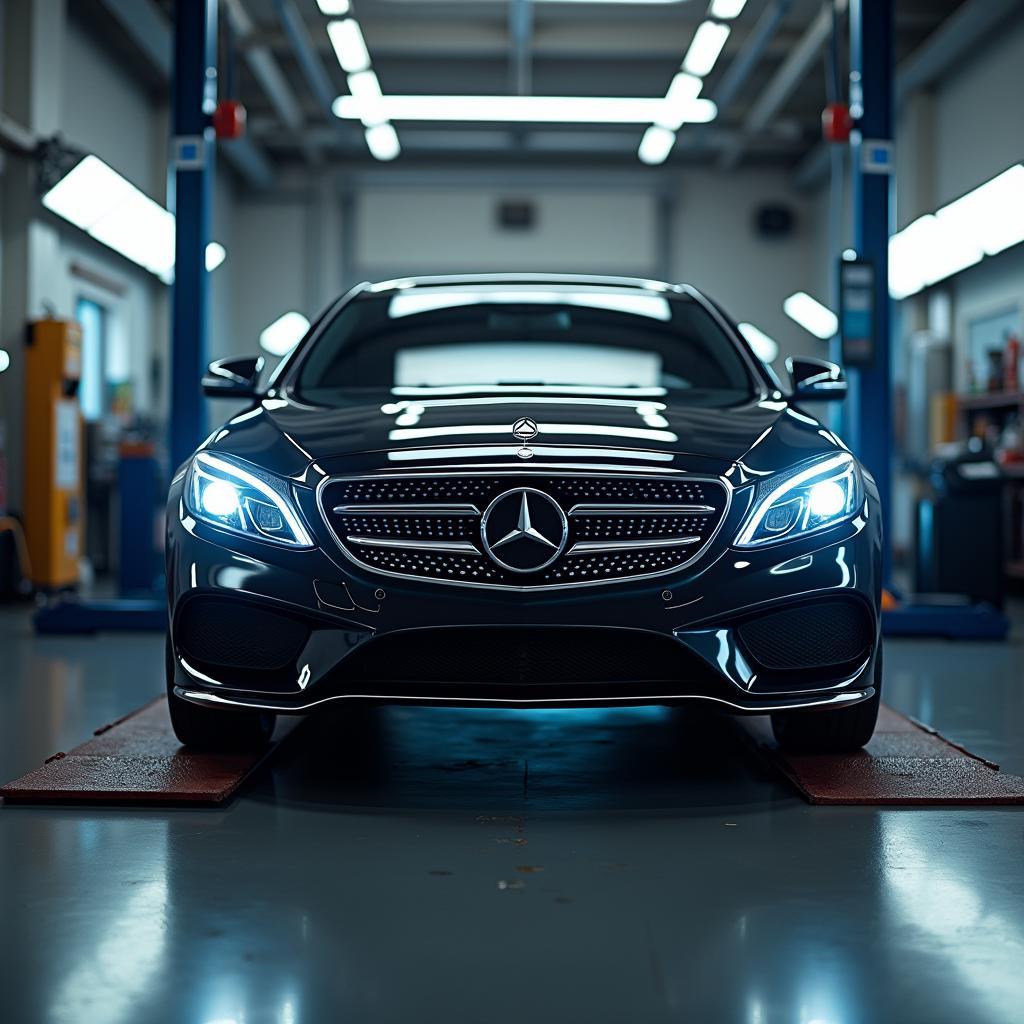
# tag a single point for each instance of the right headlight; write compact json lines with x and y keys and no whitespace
{"x":243,"y":500}
{"x":810,"y":497}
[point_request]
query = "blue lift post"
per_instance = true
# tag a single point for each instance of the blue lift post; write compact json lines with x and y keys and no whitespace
{"x":871,"y":101}
{"x":190,"y":188}
{"x":872,"y":70}
{"x":191,"y":185}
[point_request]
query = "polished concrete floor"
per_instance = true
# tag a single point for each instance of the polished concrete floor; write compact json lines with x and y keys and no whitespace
{"x":407,"y":865}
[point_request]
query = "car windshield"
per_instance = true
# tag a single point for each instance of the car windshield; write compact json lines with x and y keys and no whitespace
{"x":551,"y":338}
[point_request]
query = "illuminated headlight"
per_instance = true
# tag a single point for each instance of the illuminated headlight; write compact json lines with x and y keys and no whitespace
{"x":220,"y":492}
{"x":811,"y":497}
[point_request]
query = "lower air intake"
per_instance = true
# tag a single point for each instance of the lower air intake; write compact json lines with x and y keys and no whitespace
{"x":815,"y":635}
{"x":234,"y":634}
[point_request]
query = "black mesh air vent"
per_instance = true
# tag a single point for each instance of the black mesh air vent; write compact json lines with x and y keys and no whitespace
{"x":233,"y":634}
{"x":818,"y":635}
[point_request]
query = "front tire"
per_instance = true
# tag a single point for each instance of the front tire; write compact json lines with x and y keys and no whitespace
{"x":830,"y":732}
{"x":213,"y":729}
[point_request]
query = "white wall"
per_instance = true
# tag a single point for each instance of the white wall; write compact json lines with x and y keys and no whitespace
{"x":448,"y":229}
{"x":717,"y":249}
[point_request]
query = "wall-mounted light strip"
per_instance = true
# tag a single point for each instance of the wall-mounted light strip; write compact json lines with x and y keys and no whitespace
{"x":982,"y":223}
{"x":280,"y":337}
{"x":765,"y":347}
{"x":811,"y":315}
{"x":105,"y":205}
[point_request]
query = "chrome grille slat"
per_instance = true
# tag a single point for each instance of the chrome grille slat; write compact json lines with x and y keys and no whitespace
{"x":420,"y":545}
{"x":621,"y":526}
{"x":624,"y":545}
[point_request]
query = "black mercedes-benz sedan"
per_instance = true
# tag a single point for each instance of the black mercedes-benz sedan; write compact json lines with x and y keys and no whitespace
{"x":524,"y":491}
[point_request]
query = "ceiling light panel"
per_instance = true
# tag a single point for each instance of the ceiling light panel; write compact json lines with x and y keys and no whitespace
{"x":349,"y":46}
{"x":708,"y":41}
{"x":526,"y":109}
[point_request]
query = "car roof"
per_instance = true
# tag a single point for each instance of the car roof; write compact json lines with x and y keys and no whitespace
{"x":519,"y":279}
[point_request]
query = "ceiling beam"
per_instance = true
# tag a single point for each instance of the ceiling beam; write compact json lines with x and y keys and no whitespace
{"x":785,"y":80}
{"x":313,"y":71}
{"x":148,"y":29}
{"x":949,"y":45}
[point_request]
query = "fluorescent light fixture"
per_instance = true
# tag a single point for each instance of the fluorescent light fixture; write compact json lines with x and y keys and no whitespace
{"x":679,"y":101}
{"x":5,"y":359}
{"x":365,"y":87}
{"x":707,"y":44}
{"x":810,"y":314}
{"x":982,"y":223}
{"x":765,"y":347}
{"x":280,"y":337}
{"x":656,"y":145}
{"x":349,"y":45}
{"x":526,"y":109}
{"x":215,"y":255}
{"x":95,"y":198}
{"x":726,"y":9}
{"x":334,"y":8}
{"x":382,"y":140}
{"x":87,"y":192}
{"x":141,"y":230}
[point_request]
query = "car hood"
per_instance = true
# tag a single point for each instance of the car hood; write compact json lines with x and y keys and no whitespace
{"x":286,"y":437}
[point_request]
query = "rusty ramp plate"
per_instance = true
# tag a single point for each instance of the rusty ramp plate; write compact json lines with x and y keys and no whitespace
{"x":905,"y":764}
{"x":136,"y":759}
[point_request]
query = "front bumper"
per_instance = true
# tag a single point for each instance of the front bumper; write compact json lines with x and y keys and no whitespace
{"x":342,"y":609}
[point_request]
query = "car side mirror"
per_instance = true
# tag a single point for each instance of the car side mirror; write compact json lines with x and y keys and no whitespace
{"x":233,"y":378}
{"x":816,"y":380}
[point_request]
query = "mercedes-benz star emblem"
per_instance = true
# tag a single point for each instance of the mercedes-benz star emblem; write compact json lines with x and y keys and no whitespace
{"x":524,"y":428}
{"x":524,"y":530}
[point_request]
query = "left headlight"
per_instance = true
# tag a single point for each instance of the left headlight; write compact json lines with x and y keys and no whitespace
{"x":807,"y":498}
{"x":246,"y":501}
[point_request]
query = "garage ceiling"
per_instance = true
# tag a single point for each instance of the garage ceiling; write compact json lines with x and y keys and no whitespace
{"x":769,"y":82}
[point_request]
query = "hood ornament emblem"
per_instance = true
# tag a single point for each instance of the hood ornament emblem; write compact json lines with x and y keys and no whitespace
{"x":524,"y":429}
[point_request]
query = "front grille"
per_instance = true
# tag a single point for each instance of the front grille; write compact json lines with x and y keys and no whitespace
{"x":616,"y":527}
{"x":816,"y":635}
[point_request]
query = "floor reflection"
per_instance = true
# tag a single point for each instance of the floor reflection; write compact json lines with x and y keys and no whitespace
{"x":536,"y":760}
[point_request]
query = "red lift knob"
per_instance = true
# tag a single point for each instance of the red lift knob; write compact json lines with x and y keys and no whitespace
{"x":836,"y":123}
{"x":229,"y":120}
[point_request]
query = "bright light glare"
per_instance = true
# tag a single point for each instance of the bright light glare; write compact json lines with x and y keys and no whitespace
{"x":526,"y":109}
{"x":382,"y":140}
{"x":810,"y":314}
{"x":365,"y":87}
{"x":982,"y":223}
{"x":656,"y":145}
{"x":334,"y":8}
{"x":707,"y":44}
{"x":625,"y":301}
{"x":679,"y":101}
{"x":220,"y":498}
{"x":215,"y":255}
{"x":95,"y":198}
{"x":727,"y":9}
{"x":827,"y":499}
{"x":765,"y":347}
{"x":349,"y":45}
{"x":280,"y":337}
{"x":87,"y":192}
{"x":5,"y":359}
